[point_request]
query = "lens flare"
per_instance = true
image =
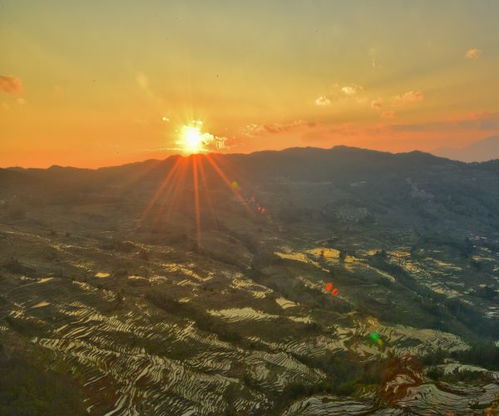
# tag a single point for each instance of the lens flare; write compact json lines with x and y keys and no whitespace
{"x":193,"y":140}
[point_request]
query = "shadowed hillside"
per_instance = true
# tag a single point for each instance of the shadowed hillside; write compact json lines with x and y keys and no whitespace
{"x":197,"y":286}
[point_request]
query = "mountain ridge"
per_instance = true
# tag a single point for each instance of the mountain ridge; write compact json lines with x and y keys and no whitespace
{"x":290,"y":150}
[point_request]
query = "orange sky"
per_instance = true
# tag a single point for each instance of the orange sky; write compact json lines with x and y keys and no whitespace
{"x":99,"y":83}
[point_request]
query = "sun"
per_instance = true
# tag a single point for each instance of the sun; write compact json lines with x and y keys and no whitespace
{"x":192,"y":139}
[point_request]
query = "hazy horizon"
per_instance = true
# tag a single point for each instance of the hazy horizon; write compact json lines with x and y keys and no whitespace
{"x":451,"y":156}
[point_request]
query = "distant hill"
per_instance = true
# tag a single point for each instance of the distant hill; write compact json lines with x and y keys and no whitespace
{"x":481,"y":151}
{"x":298,"y":163}
{"x":410,"y":190}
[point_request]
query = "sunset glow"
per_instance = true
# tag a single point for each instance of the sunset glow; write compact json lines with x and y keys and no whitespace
{"x":377,"y":75}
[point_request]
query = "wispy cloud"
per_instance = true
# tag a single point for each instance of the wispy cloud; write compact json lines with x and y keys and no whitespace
{"x":352,"y":89}
{"x":473,"y":53}
{"x":386,"y":107}
{"x":388,"y":114}
{"x":252,"y":130}
{"x":10,"y":84}
{"x":377,"y":104}
{"x":322,"y":101}
{"x":408,"y":97}
{"x":144,"y":84}
{"x":341,"y":92}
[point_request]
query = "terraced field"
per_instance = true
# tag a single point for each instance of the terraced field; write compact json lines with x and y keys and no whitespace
{"x":165,"y":342}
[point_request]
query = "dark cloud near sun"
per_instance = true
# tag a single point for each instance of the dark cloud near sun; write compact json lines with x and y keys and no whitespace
{"x":10,"y":84}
